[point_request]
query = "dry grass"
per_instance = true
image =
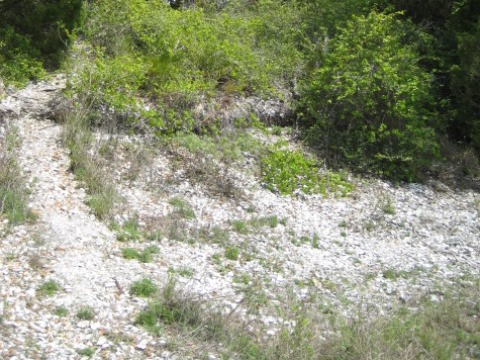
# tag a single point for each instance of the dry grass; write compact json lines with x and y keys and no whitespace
{"x":87,"y":164}
{"x":13,"y":192}
{"x":445,"y":329}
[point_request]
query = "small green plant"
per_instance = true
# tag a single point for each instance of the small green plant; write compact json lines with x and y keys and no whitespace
{"x":240,"y":226}
{"x":87,"y":352}
{"x":85,"y":313}
{"x":131,"y":254}
{"x":390,"y":274}
{"x":182,"y":208}
{"x":232,"y":253}
{"x":143,"y":288}
{"x":183,"y":271}
{"x":145,"y":256}
{"x":48,"y":288}
{"x":129,"y":231}
{"x":270,"y":221}
{"x":369,"y":226}
{"x":286,"y":171}
{"x":61,"y":311}
{"x":388,"y":207}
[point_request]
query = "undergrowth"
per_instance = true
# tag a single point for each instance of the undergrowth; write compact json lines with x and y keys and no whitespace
{"x":435,"y":330}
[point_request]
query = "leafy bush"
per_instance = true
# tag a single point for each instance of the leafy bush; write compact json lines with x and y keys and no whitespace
{"x":286,"y":171}
{"x":369,"y":101}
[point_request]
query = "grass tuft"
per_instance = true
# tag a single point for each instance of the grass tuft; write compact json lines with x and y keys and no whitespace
{"x":48,"y":288}
{"x":143,"y":288}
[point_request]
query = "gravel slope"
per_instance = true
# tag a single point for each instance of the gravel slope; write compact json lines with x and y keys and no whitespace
{"x":379,"y":246}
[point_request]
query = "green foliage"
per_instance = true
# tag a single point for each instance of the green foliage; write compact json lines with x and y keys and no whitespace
{"x":178,"y":59}
{"x":48,"y":288}
{"x":85,"y":313}
{"x":182,"y":208}
{"x":369,"y":101}
{"x":87,"y":352}
{"x":129,"y":231}
{"x":61,"y":311}
{"x":19,"y":60}
{"x":286,"y":171}
{"x":143,"y":288}
{"x":232,"y":253}
{"x":145,"y":256}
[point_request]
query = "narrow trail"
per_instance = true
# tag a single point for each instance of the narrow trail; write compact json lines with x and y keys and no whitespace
{"x":65,"y":244}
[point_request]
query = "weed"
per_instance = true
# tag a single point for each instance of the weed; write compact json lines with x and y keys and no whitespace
{"x":61,"y":311}
{"x":131,"y":254}
{"x":85,"y":313}
{"x":369,"y":226}
{"x":313,"y":241}
{"x":48,"y":288}
{"x":286,"y":172}
{"x":270,"y":221}
{"x":156,"y":235}
{"x":129,"y":231}
{"x":232,"y":253}
{"x":343,"y":224}
{"x":143,"y":288}
{"x":216,"y":235}
{"x":244,"y":279}
{"x":240,"y":227}
{"x":388,"y":207}
{"x":145,"y":256}
{"x":182,"y":208}
{"x":183,"y":271}
{"x":87,"y":352}
{"x":176,"y":308}
{"x":390,"y":274}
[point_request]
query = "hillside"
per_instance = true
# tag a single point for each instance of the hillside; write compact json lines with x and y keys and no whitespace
{"x":182,"y":186}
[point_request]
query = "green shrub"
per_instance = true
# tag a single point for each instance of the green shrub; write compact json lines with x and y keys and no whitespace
{"x":286,"y":171}
{"x":368,"y":102}
{"x":143,"y":288}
